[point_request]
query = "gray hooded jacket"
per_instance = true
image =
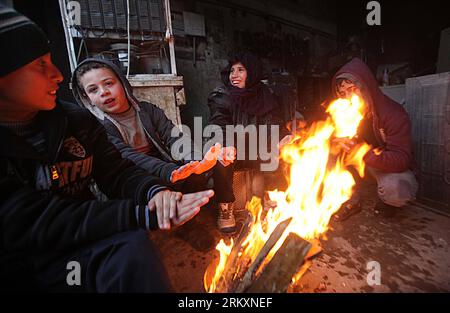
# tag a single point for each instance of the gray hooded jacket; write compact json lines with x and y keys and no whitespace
{"x":157,"y":127}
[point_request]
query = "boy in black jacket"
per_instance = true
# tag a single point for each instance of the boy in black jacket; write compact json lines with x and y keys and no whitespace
{"x":50,"y":222}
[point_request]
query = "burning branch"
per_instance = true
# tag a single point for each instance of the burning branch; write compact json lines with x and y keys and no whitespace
{"x":270,"y":243}
{"x":271,"y":249}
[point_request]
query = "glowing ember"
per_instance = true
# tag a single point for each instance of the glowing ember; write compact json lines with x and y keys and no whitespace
{"x":319,"y":183}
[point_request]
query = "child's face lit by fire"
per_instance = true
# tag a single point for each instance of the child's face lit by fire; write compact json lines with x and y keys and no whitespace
{"x":238,"y":75}
{"x":105,"y":90}
{"x":347,"y":88}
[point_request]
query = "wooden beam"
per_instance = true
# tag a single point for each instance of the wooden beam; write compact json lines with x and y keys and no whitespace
{"x":277,"y":275}
{"x":270,"y":243}
{"x":316,"y":248}
{"x":229,"y":271}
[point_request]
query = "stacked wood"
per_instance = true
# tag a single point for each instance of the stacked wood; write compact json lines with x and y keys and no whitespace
{"x":225,"y":282}
{"x":269,"y":244}
{"x":277,"y":275}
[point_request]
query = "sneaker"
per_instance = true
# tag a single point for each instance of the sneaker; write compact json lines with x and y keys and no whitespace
{"x":347,"y":210}
{"x":226,"y":221}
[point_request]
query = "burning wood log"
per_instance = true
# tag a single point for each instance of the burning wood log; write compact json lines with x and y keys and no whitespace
{"x":316,"y":248}
{"x":230,"y":267}
{"x":277,"y":275}
{"x":270,"y":243}
{"x":318,"y":185}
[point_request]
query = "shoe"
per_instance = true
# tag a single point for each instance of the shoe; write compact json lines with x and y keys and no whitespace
{"x":385,"y":210}
{"x":226,"y":221}
{"x":347,"y":210}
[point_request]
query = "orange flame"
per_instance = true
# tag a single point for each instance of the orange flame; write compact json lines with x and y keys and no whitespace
{"x":347,"y":115}
{"x":224,"y":251}
{"x":319,"y":183}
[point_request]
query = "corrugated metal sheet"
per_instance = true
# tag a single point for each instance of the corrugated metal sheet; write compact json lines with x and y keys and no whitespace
{"x":242,"y":188}
{"x":145,"y":15}
{"x":428,"y":103}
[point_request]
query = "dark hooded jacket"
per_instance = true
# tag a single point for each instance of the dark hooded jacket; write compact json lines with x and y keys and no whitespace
{"x":256,"y":104}
{"x":160,"y":162}
{"x":45,"y":202}
{"x":387,"y":126}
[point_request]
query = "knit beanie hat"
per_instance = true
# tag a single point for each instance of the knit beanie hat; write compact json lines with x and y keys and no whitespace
{"x":22,"y":40}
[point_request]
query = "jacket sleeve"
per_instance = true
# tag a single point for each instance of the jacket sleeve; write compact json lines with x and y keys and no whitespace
{"x":118,"y":177}
{"x":220,"y":116}
{"x":219,"y":109}
{"x":396,"y":156}
{"x":176,"y":143}
{"x":36,"y":220}
{"x":152,"y":165}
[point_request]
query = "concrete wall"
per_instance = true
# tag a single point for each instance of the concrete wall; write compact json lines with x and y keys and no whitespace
{"x":291,"y":36}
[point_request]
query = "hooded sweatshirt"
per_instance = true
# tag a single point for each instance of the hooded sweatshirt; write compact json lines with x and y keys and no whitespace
{"x":387,"y":126}
{"x":159,"y":160}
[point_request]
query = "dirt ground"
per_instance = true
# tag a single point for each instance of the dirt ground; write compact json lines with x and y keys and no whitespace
{"x":412,"y":249}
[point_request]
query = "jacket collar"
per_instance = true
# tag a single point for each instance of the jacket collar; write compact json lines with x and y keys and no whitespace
{"x":53,"y":123}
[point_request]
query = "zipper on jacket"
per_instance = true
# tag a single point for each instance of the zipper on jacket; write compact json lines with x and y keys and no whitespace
{"x":163,"y":151}
{"x":55,"y":157}
{"x":54,"y":171}
{"x":54,"y":175}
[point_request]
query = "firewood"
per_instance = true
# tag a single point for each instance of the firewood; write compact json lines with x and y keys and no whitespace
{"x":230,"y":267}
{"x":269,"y":244}
{"x":277,"y":275}
{"x":316,"y":248}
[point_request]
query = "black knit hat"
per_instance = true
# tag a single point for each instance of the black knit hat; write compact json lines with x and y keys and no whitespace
{"x":22,"y":41}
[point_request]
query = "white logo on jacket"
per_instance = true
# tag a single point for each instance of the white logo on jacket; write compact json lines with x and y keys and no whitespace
{"x":74,"y":147}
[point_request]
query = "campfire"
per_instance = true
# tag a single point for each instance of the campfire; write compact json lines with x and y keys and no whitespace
{"x":275,"y":247}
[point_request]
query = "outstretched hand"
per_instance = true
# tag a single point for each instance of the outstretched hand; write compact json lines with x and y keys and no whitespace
{"x":174,"y":208}
{"x":345,"y":143}
{"x":190,"y":205}
{"x":209,"y":160}
{"x":227,"y":155}
{"x":184,"y":171}
{"x":285,"y":141}
{"x":165,"y":204}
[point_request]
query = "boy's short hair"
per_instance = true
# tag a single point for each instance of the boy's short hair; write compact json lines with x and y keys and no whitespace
{"x":83,"y":69}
